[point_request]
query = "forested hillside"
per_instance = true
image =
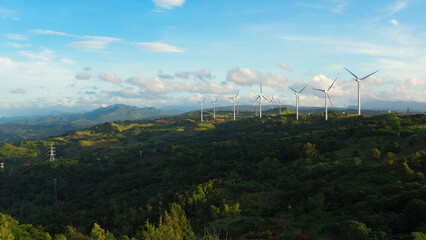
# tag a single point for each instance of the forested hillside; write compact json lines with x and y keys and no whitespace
{"x":177,"y":178}
{"x":52,"y":125}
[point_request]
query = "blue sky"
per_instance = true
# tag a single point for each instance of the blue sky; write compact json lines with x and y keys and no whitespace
{"x":79,"y":55}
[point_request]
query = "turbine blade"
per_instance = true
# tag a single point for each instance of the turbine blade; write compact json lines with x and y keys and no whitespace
{"x":368,"y":75}
{"x":329,"y":99}
{"x":256,"y":99}
{"x":237,"y":93}
{"x":351,"y":73}
{"x":265,"y":98}
{"x":321,"y":90}
{"x":332,"y":84}
{"x":303,"y":88}
{"x":204,"y":100}
{"x":293,"y":90}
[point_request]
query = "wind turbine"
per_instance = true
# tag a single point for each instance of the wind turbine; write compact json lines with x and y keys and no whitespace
{"x":279,"y":104}
{"x":202,"y":106}
{"x":272,"y":102}
{"x":325,"y":97}
{"x":259,"y":97}
{"x":359,"y":86}
{"x":298,"y":100}
{"x":233,"y":101}
{"x":214,"y":108}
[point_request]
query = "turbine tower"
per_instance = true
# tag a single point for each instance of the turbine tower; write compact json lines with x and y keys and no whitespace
{"x":359,"y":86}
{"x":272,"y":102}
{"x":202,"y":106}
{"x":233,"y":101}
{"x":279,"y":104}
{"x":259,"y":97}
{"x":214,"y":108}
{"x":325,"y":97}
{"x":298,"y":100}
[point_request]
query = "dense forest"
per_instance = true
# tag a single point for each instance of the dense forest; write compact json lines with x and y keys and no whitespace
{"x":176,"y":178}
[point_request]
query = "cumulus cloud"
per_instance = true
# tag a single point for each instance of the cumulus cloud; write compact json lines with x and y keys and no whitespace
{"x":285,"y":66}
{"x":204,"y":74}
{"x":155,"y":85}
{"x":246,"y":76}
{"x":410,"y":89}
{"x":14,"y":36}
{"x":83,"y":76}
{"x":162,"y":75}
{"x":18,"y":91}
{"x":158,"y":47}
{"x":109,"y":77}
{"x":169,"y":4}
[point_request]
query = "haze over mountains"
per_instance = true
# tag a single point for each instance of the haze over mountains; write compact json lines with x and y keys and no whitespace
{"x":26,"y":128}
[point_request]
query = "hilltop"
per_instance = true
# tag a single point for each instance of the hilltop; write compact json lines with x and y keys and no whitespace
{"x":56,"y":124}
{"x":270,"y":178}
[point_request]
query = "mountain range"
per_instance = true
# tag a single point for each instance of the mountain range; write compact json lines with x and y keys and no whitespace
{"x":29,"y":128}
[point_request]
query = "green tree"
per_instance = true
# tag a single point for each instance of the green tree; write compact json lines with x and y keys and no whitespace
{"x":375,"y":153}
{"x":171,"y":226}
{"x":100,"y":234}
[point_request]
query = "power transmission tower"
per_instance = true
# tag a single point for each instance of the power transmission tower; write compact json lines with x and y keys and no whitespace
{"x":52,"y":153}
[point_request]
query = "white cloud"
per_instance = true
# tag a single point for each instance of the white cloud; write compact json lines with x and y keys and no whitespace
{"x":246,"y":76}
{"x":102,"y":39}
{"x":169,"y":4}
{"x":411,"y":89}
{"x":17,"y":45}
{"x":109,"y":77}
{"x":285,"y":66}
{"x":45,"y":55}
{"x":200,"y":75}
{"x":68,"y":61}
{"x":394,"y":22}
{"x":155,"y":85}
{"x":158,"y":47}
{"x":14,"y":36}
{"x":67,"y":102}
{"x":88,"y":46}
{"x":204,"y":87}
{"x":397,"y":6}
{"x":18,"y":91}
{"x":49,"y":32}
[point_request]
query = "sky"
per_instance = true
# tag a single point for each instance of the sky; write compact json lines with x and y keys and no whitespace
{"x":74,"y":56}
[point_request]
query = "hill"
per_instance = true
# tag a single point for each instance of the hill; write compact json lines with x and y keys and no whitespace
{"x":42,"y":127}
{"x":270,"y":178}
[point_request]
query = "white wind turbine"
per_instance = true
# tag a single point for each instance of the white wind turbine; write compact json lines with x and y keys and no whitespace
{"x":214,"y":108}
{"x":279,"y":104}
{"x":233,"y":101}
{"x":359,"y":86}
{"x":202,"y":106}
{"x":272,"y":102}
{"x":325,"y":97}
{"x":259,"y":97}
{"x":298,"y":100}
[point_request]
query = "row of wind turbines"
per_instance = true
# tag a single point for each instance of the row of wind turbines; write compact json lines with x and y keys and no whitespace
{"x":260,"y":96}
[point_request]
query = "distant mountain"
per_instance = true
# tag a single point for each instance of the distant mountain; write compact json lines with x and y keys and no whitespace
{"x":55,"y":124}
{"x":395,"y":106}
